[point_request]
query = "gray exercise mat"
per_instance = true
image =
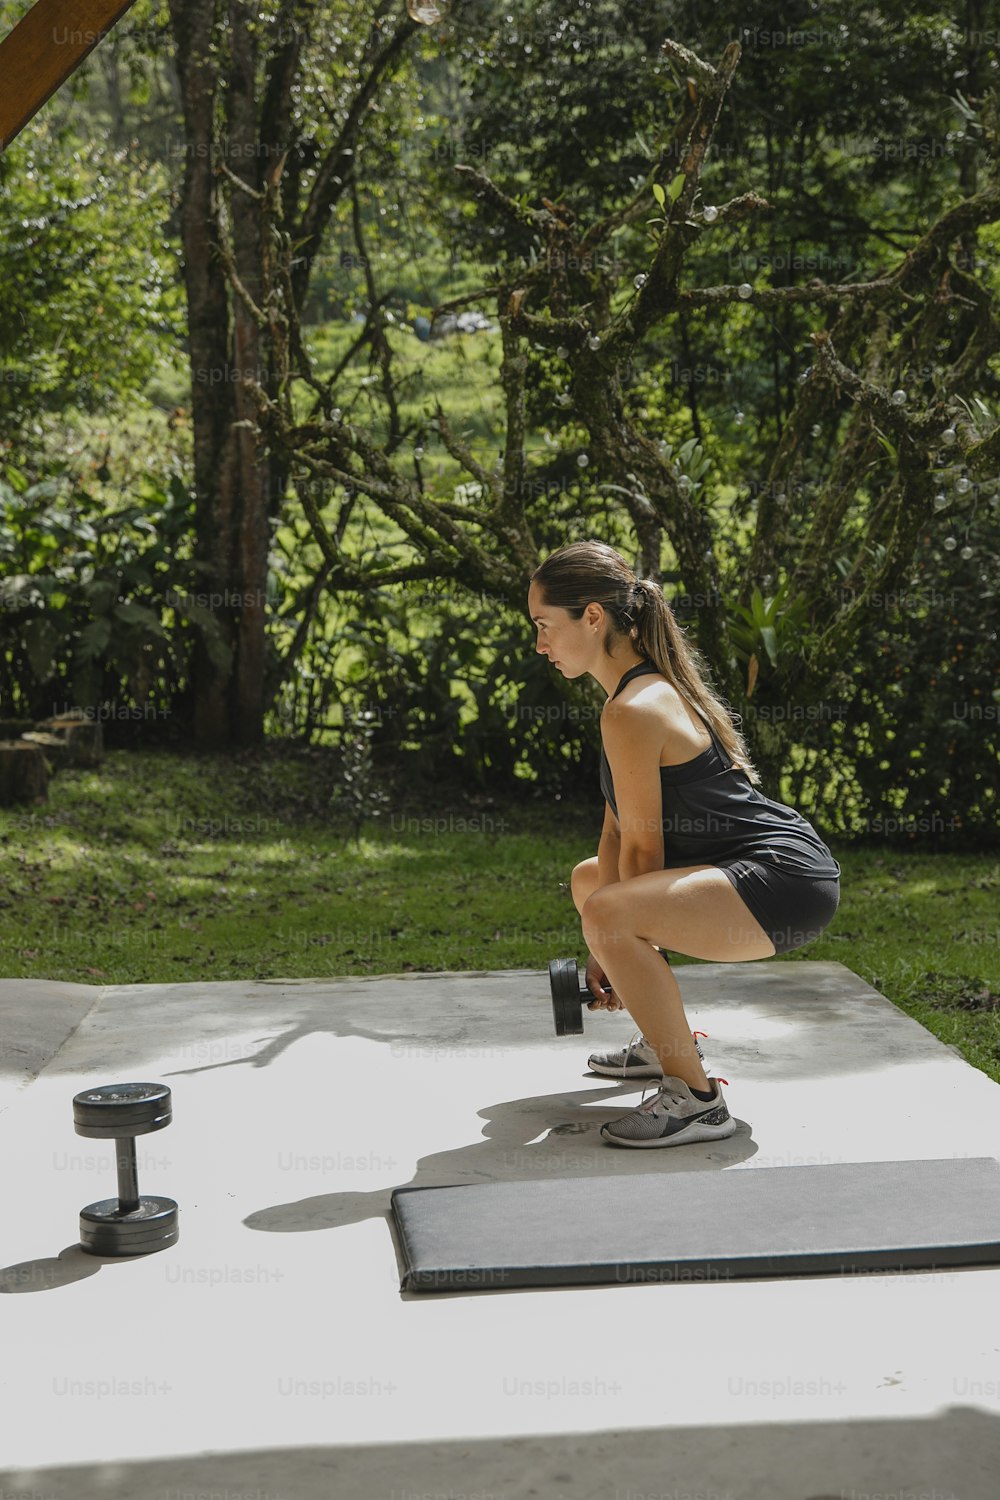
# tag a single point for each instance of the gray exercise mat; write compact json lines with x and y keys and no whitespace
{"x":833,"y":1219}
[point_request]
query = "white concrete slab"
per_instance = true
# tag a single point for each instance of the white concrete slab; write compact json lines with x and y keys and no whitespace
{"x":270,"y":1352}
{"x":36,"y":1017}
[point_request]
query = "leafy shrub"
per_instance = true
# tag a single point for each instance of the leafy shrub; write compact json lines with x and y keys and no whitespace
{"x":451,"y":694}
{"x":84,"y":313}
{"x":93,"y":613}
{"x":911,"y":757}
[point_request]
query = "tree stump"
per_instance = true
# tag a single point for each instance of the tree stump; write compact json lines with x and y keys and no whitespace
{"x":84,"y":738}
{"x":55,"y":748}
{"x":24,"y":775}
{"x":12,"y":729}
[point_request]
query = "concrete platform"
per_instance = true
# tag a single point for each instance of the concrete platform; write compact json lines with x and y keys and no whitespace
{"x":270,"y":1353}
{"x":36,"y":1018}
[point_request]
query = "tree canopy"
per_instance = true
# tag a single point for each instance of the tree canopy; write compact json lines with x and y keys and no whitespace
{"x":738,"y":287}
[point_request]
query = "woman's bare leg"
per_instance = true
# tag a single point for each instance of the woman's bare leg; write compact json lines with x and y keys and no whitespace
{"x":696,"y":911}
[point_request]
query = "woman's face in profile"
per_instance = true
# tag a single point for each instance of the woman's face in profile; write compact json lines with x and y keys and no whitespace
{"x":566,"y":642}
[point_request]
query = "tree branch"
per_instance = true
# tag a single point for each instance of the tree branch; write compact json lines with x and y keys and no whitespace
{"x":515,"y":213}
{"x":381,"y":349}
{"x":335,"y":170}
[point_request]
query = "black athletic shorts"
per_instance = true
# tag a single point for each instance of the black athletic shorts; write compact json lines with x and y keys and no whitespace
{"x":792,"y":909}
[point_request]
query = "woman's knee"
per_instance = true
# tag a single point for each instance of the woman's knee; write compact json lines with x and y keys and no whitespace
{"x":602,"y":918}
{"x":583,"y":881}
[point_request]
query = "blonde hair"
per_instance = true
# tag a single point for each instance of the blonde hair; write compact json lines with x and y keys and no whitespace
{"x":583,"y":573}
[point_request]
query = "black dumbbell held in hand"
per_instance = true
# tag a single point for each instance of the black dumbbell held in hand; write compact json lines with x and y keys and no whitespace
{"x":569,"y":995}
{"x":128,"y":1224}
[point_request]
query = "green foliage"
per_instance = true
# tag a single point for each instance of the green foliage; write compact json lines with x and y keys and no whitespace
{"x":916,"y":745}
{"x":88,"y":292}
{"x":851,"y":158}
{"x":444,"y":688}
{"x":96,"y":609}
{"x":848,"y":124}
{"x":770,"y":630}
{"x":853,"y":161}
{"x":589,"y":82}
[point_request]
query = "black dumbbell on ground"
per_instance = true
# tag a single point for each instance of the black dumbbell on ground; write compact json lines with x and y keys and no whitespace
{"x":128,"y":1224}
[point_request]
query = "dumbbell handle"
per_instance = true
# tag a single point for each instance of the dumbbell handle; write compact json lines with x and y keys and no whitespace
{"x":128,"y":1176}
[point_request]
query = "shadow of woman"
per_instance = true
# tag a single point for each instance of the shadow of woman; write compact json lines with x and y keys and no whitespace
{"x":524,"y":1140}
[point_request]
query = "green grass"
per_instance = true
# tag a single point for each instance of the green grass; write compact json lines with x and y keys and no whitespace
{"x":159,"y":867}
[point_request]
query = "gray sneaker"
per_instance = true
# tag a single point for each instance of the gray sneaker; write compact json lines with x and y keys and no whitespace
{"x":637,"y":1060}
{"x":671,"y":1117}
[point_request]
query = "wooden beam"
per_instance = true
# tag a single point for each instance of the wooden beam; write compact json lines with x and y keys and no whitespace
{"x":44,"y":48}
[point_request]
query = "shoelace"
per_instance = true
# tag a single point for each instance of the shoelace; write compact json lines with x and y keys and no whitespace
{"x":662,"y":1092}
{"x":637,"y":1041}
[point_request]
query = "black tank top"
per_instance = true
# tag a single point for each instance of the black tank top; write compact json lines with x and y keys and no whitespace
{"x":712,"y":813}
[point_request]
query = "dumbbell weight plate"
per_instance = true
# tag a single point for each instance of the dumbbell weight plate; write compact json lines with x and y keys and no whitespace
{"x":122,"y":1109}
{"x":568,"y":996}
{"x":105,"y":1230}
